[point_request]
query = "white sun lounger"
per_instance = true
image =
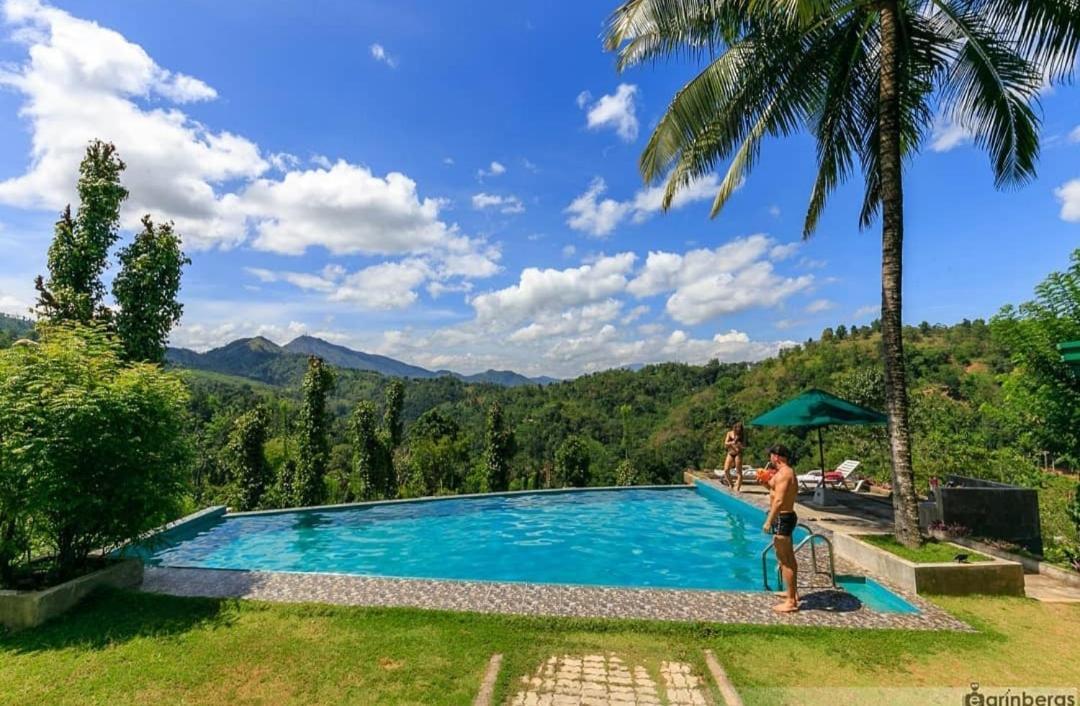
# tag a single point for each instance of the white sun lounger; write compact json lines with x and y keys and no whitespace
{"x":839,"y":477}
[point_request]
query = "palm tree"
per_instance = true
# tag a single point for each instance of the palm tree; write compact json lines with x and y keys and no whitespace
{"x":867,"y":78}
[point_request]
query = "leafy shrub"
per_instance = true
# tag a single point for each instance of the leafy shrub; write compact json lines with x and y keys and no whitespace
{"x":92,"y":450}
{"x":245,"y":460}
{"x":572,"y":463}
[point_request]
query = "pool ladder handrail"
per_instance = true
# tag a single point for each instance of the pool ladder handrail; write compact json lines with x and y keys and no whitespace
{"x":811,"y":536}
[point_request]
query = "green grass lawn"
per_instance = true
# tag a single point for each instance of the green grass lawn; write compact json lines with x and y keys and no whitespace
{"x":135,"y":648}
{"x":928,"y":552}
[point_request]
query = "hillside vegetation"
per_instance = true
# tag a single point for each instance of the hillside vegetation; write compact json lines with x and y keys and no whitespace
{"x":675,"y":414}
{"x":12,"y":328}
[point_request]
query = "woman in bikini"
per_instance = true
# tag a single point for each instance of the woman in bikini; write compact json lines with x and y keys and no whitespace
{"x":735,"y":443}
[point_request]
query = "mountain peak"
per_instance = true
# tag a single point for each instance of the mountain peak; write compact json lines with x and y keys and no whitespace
{"x":259,"y":344}
{"x":250,"y":357}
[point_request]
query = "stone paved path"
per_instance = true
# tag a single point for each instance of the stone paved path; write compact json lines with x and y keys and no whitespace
{"x":821,"y":608}
{"x":605,"y":680}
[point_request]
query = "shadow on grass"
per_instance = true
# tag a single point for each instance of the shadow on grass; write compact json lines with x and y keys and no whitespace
{"x":112,"y":616}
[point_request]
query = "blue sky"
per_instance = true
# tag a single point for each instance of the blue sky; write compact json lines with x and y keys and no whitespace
{"x":455,"y":185}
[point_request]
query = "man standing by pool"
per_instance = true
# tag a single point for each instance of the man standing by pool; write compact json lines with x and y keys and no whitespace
{"x":781,"y":522}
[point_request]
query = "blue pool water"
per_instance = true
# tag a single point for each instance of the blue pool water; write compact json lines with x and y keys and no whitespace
{"x":665,"y":537}
{"x":873,"y":595}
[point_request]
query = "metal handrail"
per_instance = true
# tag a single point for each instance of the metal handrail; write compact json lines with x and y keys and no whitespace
{"x":811,"y":536}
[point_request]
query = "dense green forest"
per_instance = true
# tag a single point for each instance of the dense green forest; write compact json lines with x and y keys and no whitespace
{"x":672,"y":416}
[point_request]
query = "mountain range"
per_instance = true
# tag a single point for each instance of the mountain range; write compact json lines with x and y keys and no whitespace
{"x":257,"y":357}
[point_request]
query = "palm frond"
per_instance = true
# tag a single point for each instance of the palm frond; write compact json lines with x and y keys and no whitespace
{"x":711,"y":118}
{"x":643,"y":30}
{"x":1045,"y":32}
{"x":836,"y":124}
{"x":990,"y":91}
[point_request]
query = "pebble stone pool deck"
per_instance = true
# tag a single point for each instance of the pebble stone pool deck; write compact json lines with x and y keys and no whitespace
{"x":821,"y":606}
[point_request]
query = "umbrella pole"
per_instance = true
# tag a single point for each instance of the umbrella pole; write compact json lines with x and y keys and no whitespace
{"x":821,"y":455}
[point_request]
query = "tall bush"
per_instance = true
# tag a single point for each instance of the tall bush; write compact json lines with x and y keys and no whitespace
{"x":372,"y":474}
{"x":92,"y":450}
{"x":498,"y":449}
{"x":313,"y":444}
{"x":572,"y":463}
{"x":245,"y":460}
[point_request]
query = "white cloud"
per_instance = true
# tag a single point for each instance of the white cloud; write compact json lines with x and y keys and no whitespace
{"x":1074,"y":136}
{"x":591,"y":214}
{"x":727,"y":347}
{"x":818,"y":305}
{"x":808,"y":263}
{"x":1069,"y":196}
{"x":345,"y":209}
{"x":869,"y":310}
{"x":575,"y":321}
{"x":323,"y":282}
{"x":17,"y":293}
{"x":552,"y":291}
{"x":596,"y":216}
{"x":388,"y":285}
{"x":634,"y":314}
{"x":82,"y":81}
{"x":437,"y":289}
{"x":706,"y":284}
{"x":947,"y":135}
{"x":379,"y":53}
{"x":283,"y":161}
{"x":505,"y":204}
{"x":784,"y":251}
{"x":494,"y":169}
{"x":774,"y":211}
{"x":569,"y":251}
{"x":615,"y":111}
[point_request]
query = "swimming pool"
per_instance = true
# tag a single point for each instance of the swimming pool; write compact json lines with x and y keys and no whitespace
{"x":661,"y":537}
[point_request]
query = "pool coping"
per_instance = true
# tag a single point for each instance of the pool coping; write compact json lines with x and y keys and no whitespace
{"x":442,"y":498}
{"x":824,"y":607}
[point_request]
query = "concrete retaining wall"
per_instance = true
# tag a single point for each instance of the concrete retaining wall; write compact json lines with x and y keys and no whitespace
{"x":988,"y":509}
{"x":997,"y":577}
{"x":27,"y":609}
{"x":1031,"y":566}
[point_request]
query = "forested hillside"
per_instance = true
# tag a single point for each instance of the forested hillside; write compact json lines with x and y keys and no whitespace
{"x":669,"y":417}
{"x":12,"y":328}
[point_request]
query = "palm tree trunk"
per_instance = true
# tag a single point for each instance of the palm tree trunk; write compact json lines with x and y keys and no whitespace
{"x":905,"y":507}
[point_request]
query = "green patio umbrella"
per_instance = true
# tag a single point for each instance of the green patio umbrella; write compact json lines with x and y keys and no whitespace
{"x":816,"y":409}
{"x":1070,"y":353}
